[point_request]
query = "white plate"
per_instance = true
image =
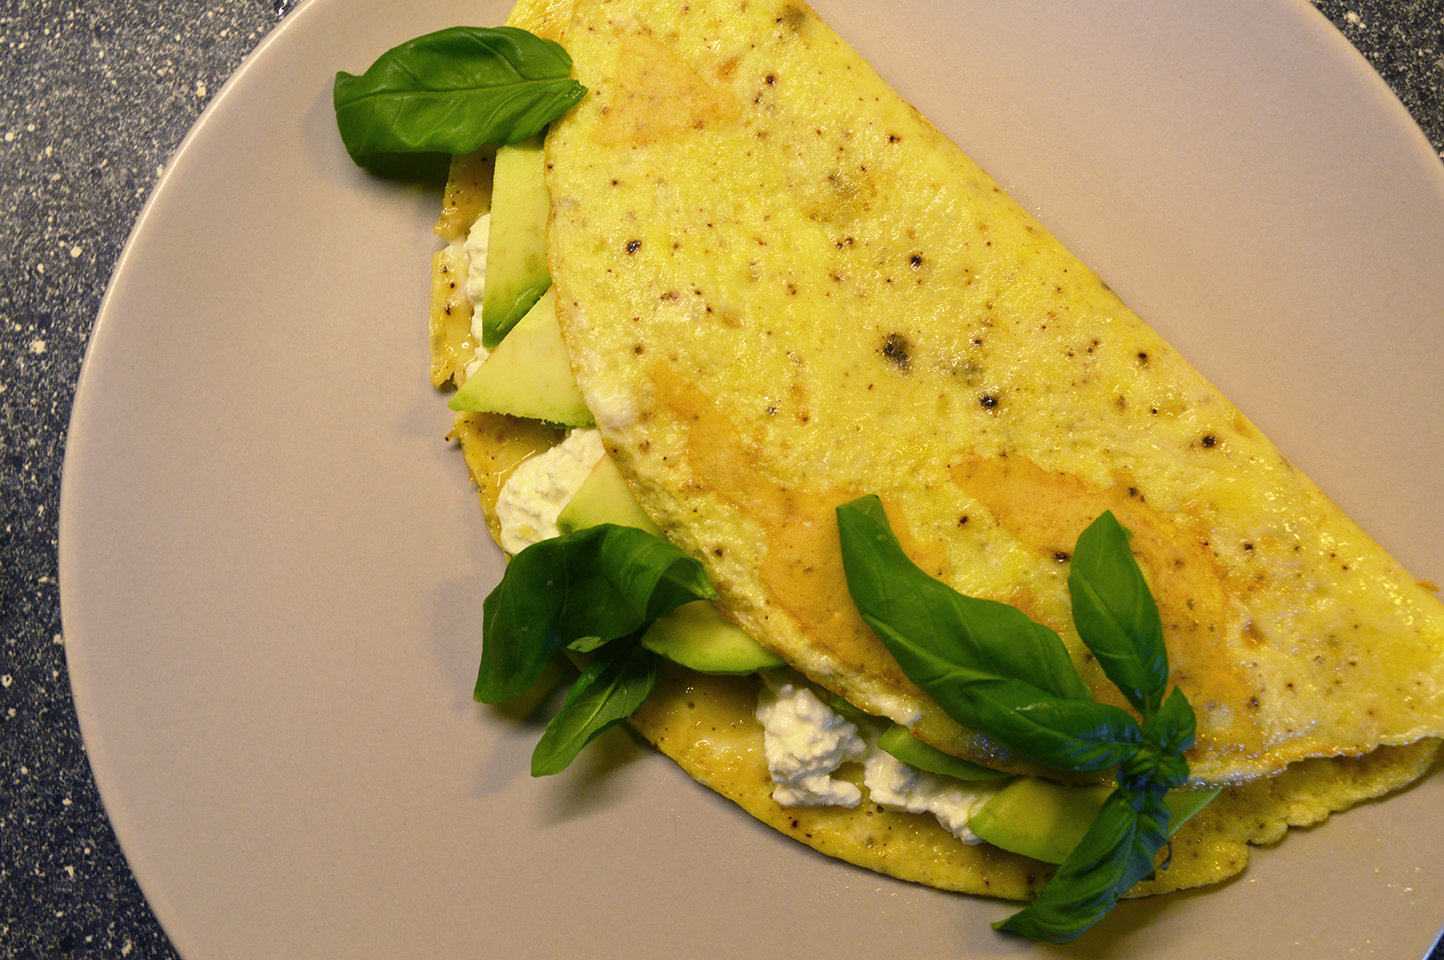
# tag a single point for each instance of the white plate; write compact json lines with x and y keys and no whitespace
{"x":273,"y":565}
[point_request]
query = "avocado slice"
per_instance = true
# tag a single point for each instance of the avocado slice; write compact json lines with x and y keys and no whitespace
{"x":604,"y":497}
{"x":528,"y":374}
{"x":899,"y":741}
{"x":516,"y":259}
{"x":697,"y":636}
{"x":1046,"y":820}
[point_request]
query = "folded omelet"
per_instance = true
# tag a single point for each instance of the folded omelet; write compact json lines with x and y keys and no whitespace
{"x":781,"y":288}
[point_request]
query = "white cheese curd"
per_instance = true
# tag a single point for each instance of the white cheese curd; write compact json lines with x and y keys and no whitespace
{"x":805,"y":741}
{"x":895,"y":785}
{"x":536,"y":492}
{"x":478,"y":241}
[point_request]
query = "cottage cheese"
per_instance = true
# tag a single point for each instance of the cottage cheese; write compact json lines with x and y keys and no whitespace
{"x":478,"y":241}
{"x":897,"y":786}
{"x":806,"y":741}
{"x":529,"y":502}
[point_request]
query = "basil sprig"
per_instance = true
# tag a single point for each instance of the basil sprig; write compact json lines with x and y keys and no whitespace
{"x":453,"y":91}
{"x":992,"y":669}
{"x":596,"y":584}
{"x":595,"y":591}
{"x":611,"y":688}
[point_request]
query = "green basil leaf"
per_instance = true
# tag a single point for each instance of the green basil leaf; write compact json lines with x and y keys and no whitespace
{"x":1077,"y":735}
{"x":988,"y":636}
{"x":985,"y":663}
{"x":1149,"y":769}
{"x":605,"y":581}
{"x":618,"y":680}
{"x":1117,"y":851}
{"x":454,"y":90}
{"x":1174,"y":726}
{"x":1116,"y":615}
{"x":997,"y":672}
{"x":1159,"y":763}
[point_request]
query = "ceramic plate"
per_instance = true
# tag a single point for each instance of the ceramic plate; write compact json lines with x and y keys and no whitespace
{"x":273,"y":563}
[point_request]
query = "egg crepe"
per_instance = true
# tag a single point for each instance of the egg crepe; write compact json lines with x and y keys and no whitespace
{"x":781,"y":288}
{"x":780,"y":291}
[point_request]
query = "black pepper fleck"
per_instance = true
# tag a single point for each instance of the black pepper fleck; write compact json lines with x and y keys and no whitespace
{"x":897,"y":349}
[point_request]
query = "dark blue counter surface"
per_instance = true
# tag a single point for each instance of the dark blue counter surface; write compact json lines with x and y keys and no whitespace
{"x":95,"y":95}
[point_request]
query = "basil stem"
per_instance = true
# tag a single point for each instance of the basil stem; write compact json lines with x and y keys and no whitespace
{"x":602,"y":582}
{"x":453,"y":91}
{"x":617,"y":681}
{"x":990,"y":637}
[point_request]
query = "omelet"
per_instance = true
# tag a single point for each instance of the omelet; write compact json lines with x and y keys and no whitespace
{"x":781,"y":288}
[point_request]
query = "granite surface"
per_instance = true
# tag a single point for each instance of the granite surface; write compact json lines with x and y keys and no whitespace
{"x":94,"y":97}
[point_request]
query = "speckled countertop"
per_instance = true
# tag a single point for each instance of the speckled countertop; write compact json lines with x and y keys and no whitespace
{"x":94,"y":97}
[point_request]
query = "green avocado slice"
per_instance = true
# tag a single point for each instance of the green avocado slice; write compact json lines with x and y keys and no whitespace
{"x":528,"y":374}
{"x":1046,"y":820}
{"x":516,"y":259}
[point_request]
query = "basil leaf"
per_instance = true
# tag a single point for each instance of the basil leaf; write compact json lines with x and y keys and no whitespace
{"x":1078,"y":735}
{"x":985,"y":663}
{"x":452,"y":91}
{"x":605,"y":581}
{"x":986,"y":635}
{"x":1167,"y":734}
{"x":1116,"y":615}
{"x":1174,"y":726}
{"x":1151,"y":769}
{"x":1117,"y":851}
{"x":611,"y":688}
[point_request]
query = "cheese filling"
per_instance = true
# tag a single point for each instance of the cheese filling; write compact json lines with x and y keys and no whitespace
{"x":478,"y":242}
{"x":806,"y":741}
{"x":535,"y":493}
